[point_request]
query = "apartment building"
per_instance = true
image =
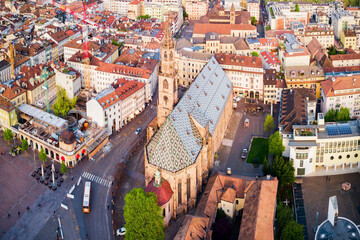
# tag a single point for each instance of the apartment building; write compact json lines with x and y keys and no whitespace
{"x":342,"y":20}
{"x":253,"y":7}
{"x":118,"y":6}
{"x":342,"y":91}
{"x":345,"y":60}
{"x":293,"y":53}
{"x":69,"y":79}
{"x":245,"y":73}
{"x":348,"y":39}
{"x":281,"y":15}
{"x":5,"y":71}
{"x":116,"y":105}
{"x":305,"y":77}
{"x":8,"y":116}
{"x":323,"y":34}
{"x":196,"y":9}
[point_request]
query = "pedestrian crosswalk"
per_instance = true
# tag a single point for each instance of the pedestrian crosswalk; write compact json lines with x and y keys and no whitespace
{"x":97,"y":179}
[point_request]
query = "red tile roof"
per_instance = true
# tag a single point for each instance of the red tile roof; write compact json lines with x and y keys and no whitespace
{"x":341,"y":83}
{"x":163,"y":193}
{"x":230,"y":59}
{"x":341,"y":57}
{"x":223,"y":29}
{"x":124,"y":70}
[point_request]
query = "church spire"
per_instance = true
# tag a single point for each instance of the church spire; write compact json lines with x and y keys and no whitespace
{"x":168,"y":41}
{"x":232,"y":8}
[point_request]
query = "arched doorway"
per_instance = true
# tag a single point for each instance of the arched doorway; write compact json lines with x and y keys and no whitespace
{"x":46,"y":151}
{"x":257,"y":95}
{"x":51,"y":154}
{"x":246,"y":93}
{"x":251,"y":94}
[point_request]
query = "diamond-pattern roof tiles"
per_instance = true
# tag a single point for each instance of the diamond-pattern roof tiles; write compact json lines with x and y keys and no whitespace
{"x":177,"y":143}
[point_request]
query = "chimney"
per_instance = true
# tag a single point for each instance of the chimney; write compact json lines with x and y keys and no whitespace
{"x":157,"y":181}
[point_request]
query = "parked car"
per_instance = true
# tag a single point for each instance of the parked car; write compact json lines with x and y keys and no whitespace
{"x":121,"y":231}
{"x":244,"y":153}
{"x":138,"y":130}
{"x":228,"y":171}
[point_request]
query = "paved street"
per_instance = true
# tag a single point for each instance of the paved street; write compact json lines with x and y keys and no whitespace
{"x":39,"y":223}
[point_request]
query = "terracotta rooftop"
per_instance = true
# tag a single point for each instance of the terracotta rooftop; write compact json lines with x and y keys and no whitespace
{"x":259,"y":211}
{"x":11,"y":92}
{"x":124,"y":70}
{"x":163,"y":193}
{"x":223,"y":29}
{"x":5,"y":104}
{"x":341,"y":57}
{"x":293,"y":107}
{"x":341,"y":83}
{"x":269,"y":77}
{"x":237,"y":60}
{"x":78,"y":57}
{"x":193,"y":228}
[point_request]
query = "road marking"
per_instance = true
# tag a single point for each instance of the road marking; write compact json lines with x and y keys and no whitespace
{"x":97,"y":179}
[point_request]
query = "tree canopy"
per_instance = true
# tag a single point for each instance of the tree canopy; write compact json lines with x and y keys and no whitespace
{"x":283,"y":170}
{"x":297,"y":9}
{"x":275,"y":144}
{"x":292,"y":231}
{"x":269,"y":124}
{"x":265,"y":168}
{"x":253,"y":20}
{"x":63,"y":104}
{"x":143,"y":219}
{"x":284,"y":215}
{"x":185,"y":14}
{"x":63,"y":167}
{"x":24,"y":145}
{"x":254,"y":54}
{"x":147,"y":16}
{"x":8,"y":135}
{"x":42,"y":155}
{"x":333,"y":115}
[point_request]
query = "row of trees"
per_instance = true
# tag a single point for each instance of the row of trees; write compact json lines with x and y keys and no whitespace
{"x":289,"y":229}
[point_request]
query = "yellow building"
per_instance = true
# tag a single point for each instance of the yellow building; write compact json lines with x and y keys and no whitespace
{"x":8,"y":115}
{"x":348,"y":39}
{"x":304,"y":77}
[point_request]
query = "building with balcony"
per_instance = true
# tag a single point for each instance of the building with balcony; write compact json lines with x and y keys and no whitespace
{"x":70,"y":80}
{"x":325,"y":147}
{"x":342,"y":20}
{"x":297,"y":107}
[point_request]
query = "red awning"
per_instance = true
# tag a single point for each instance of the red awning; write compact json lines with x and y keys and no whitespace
{"x":77,"y":155}
{"x":83,"y":151}
{"x":62,"y":158}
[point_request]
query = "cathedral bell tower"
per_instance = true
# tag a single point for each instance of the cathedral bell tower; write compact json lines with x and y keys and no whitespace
{"x":232,"y":14}
{"x":168,"y":89}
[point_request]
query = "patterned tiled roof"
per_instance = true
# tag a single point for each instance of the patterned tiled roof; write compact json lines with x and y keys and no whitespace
{"x":178,"y":142}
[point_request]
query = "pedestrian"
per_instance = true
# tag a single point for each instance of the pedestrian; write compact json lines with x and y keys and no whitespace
{"x":108,"y":206}
{"x":27,"y":208}
{"x":19,"y":213}
{"x":9,"y":215}
{"x":39,"y":205}
{"x":54,"y":211}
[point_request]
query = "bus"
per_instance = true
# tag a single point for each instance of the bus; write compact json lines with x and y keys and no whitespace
{"x":86,"y":200}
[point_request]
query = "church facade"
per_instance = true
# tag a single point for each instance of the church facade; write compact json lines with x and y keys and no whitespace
{"x":189,"y":132}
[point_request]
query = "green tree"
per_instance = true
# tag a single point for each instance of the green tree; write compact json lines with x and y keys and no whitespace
{"x":185,"y":14}
{"x":297,"y":9}
{"x":330,"y":116}
{"x":63,"y":104}
{"x":8,"y":135}
{"x":275,"y":144}
{"x":265,"y":167}
{"x":143,"y":219}
{"x":42,"y":155}
{"x":283,"y":170}
{"x":253,"y":20}
{"x":147,"y":16}
{"x":114,"y":42}
{"x":267,"y":28}
{"x":269,"y":124}
{"x":292,"y":231}
{"x":284,"y":215}
{"x":63,"y":167}
{"x":24,"y":145}
{"x":254,"y":54}
{"x":343,"y":114}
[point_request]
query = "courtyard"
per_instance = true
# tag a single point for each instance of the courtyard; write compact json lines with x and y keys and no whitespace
{"x":316,"y":193}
